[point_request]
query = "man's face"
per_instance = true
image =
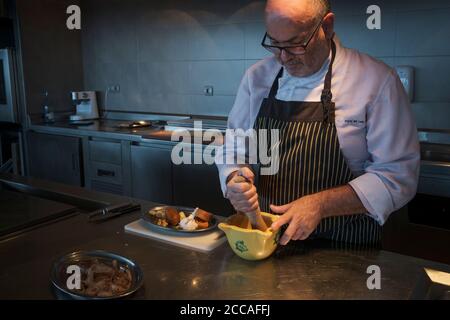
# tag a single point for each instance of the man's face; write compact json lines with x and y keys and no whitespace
{"x":284,"y":32}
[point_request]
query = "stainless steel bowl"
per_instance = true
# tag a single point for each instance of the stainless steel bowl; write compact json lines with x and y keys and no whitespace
{"x":59,"y":275}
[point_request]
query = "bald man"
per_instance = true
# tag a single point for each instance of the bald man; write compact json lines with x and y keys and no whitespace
{"x":348,"y":151}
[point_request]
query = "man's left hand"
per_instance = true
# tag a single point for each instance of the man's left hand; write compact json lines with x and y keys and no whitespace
{"x":303,"y":216}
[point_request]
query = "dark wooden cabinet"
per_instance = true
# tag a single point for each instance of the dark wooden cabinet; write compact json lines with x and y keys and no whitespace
{"x":151,"y":172}
{"x":55,"y":158}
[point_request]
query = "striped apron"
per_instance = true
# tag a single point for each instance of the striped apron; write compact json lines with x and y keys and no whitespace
{"x":310,"y":160}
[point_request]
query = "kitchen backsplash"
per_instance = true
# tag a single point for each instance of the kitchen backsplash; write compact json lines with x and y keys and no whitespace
{"x":162,"y":54}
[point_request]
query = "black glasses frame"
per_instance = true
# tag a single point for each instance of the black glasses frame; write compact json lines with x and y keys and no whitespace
{"x":273,"y":48}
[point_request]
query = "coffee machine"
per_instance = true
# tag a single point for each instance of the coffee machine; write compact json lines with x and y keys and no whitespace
{"x":86,"y":106}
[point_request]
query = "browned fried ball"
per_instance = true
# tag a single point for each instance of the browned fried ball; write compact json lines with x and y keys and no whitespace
{"x":172,"y":216}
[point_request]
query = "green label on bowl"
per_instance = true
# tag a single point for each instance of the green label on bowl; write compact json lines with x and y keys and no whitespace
{"x":240,"y":246}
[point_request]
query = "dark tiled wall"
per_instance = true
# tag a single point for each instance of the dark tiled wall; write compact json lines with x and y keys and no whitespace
{"x":413,"y":33}
{"x":163,"y":53}
{"x":51,"y":54}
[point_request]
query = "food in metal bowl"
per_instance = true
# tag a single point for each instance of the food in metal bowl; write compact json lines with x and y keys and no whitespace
{"x":100,"y":279}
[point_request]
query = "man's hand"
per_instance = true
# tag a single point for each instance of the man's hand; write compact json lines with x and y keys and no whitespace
{"x":303,"y":216}
{"x":243,"y":196}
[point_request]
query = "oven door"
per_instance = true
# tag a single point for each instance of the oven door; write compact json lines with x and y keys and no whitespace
{"x":8,"y":106}
{"x":422,"y":228}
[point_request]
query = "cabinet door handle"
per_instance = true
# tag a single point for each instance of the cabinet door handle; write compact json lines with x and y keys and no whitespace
{"x":105,"y":173}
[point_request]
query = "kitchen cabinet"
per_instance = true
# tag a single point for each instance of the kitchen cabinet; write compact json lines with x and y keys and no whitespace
{"x":197,"y":185}
{"x":55,"y":157}
{"x":151,"y":172}
{"x":108,"y":165}
{"x":141,"y":169}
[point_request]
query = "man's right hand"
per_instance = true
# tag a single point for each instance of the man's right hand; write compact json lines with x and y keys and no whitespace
{"x":243,"y":195}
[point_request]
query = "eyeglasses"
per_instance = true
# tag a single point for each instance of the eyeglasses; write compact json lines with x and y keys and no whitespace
{"x":297,"y":50}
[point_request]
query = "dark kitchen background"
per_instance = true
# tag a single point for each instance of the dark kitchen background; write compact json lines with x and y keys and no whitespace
{"x":148,"y":58}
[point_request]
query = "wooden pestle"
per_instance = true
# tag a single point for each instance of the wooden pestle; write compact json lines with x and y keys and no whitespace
{"x":255,"y":217}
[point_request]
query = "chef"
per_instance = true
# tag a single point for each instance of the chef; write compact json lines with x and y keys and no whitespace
{"x":348,"y":146}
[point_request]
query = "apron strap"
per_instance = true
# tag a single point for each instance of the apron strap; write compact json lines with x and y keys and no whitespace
{"x":274,"y":88}
{"x":327,"y":95}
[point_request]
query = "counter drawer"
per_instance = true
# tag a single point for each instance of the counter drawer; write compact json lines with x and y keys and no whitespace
{"x":106,"y":172}
{"x":105,"y":151}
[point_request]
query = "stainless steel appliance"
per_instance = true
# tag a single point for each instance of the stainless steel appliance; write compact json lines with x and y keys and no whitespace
{"x":86,"y":106}
{"x":8,"y":103}
{"x":11,"y":144}
{"x":431,"y":206}
{"x":422,"y":228}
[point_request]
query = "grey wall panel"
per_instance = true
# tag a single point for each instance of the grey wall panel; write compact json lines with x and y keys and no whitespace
{"x":217,"y":42}
{"x":215,"y":105}
{"x":427,"y":114}
{"x":178,"y":47}
{"x":163,"y":77}
{"x":413,"y":5}
{"x":224,"y":76}
{"x":352,"y":7}
{"x":428,"y":39}
{"x":431,"y":77}
{"x":353,"y":33}
{"x":51,"y":54}
{"x":254,"y":33}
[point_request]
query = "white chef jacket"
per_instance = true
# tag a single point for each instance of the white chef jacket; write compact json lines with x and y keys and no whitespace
{"x":373,"y":117}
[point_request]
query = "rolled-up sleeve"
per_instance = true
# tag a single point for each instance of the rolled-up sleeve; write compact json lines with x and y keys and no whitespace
{"x":391,"y":174}
{"x":239,"y":118}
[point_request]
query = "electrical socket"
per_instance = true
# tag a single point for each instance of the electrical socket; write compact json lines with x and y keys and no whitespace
{"x":114,"y":88}
{"x":208,"y":90}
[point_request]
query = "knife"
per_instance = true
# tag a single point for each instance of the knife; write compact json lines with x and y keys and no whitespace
{"x":112,"y":208}
{"x":131,"y":207}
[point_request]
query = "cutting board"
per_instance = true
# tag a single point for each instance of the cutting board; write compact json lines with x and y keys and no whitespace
{"x":203,"y":242}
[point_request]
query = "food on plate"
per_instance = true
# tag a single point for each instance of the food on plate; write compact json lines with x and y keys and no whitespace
{"x":176,"y":219}
{"x":100,"y":279}
{"x":189,"y":223}
{"x":199,"y":219}
{"x":203,"y":215}
{"x":172,"y":216}
{"x":201,"y":224}
{"x":161,"y":222}
{"x":158,"y":212}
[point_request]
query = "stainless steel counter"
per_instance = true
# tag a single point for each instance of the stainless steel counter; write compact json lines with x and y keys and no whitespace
{"x":99,"y":129}
{"x":307,"y":270}
{"x":108,"y":129}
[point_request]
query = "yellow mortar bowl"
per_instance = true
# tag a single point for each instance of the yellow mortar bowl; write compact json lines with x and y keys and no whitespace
{"x":252,"y":244}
